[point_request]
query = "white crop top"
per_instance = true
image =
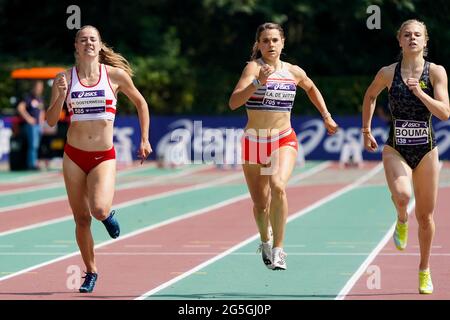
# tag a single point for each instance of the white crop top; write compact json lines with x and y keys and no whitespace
{"x":278,"y":94}
{"x":96,"y":102}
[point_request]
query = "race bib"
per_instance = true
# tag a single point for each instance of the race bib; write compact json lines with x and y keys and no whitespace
{"x":88,"y":110}
{"x":88,"y":102}
{"x":279,"y":94}
{"x":409,"y":132}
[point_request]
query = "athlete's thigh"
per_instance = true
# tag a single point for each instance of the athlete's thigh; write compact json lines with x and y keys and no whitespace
{"x":101,"y":184}
{"x":283,"y":163}
{"x":75,"y":181}
{"x":426,"y":180}
{"x":398,"y":173}
{"x":258,"y":184}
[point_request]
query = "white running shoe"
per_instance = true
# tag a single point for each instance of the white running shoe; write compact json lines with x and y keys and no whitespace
{"x":279,"y":259}
{"x":266,"y":251}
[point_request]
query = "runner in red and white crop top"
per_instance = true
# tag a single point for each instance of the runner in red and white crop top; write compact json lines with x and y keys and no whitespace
{"x":267,"y":88}
{"x":278,"y":94}
{"x":96,"y":102}
{"x":89,"y":165}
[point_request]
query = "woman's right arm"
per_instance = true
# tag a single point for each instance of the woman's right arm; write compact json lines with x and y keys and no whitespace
{"x":245,"y":88}
{"x":59,"y":92}
{"x":380,"y":82}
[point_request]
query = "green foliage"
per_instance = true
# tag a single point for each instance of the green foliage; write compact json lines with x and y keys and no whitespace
{"x":6,"y":89}
{"x":342,"y":94}
{"x":188,"y":55}
{"x":163,"y":80}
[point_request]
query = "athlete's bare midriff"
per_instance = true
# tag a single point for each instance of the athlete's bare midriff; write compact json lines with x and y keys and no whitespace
{"x":93,"y":135}
{"x":269,"y":121}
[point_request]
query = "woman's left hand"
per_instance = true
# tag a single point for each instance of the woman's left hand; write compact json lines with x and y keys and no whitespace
{"x":144,"y":150}
{"x":330,"y":125}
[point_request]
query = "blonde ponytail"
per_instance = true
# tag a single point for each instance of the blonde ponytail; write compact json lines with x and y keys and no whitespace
{"x":107,"y":54}
{"x":111,"y":58}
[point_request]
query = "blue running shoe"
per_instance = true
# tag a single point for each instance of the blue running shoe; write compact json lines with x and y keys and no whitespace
{"x":112,"y":225}
{"x":89,"y":282}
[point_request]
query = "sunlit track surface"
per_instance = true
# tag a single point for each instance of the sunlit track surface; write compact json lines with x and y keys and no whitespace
{"x":189,"y":234}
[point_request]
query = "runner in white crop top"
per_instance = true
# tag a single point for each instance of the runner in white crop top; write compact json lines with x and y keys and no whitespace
{"x":94,"y":102}
{"x":89,"y":163}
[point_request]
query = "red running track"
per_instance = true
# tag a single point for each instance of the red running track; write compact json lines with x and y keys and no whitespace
{"x":18,"y":218}
{"x":399,"y":269}
{"x":125,"y":276}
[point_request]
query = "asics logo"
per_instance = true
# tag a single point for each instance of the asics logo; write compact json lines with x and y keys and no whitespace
{"x":410,"y":124}
{"x":282,"y":86}
{"x":87,"y":94}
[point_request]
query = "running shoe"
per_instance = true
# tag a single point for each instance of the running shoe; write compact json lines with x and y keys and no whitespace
{"x":112,"y":225}
{"x":279,"y":259}
{"x":425,"y":283}
{"x":265,"y":248}
{"x":266,"y":251}
{"x":89,"y":282}
{"x":401,"y":235}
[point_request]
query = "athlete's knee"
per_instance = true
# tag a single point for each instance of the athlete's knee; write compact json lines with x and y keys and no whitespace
{"x":401,"y":199}
{"x":261,"y":207}
{"x":100,"y":213}
{"x":425,"y":221}
{"x":83,"y":220}
{"x":277,"y":188}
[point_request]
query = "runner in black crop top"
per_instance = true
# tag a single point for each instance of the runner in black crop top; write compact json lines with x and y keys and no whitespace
{"x":411,"y":132}
{"x":417,"y":90}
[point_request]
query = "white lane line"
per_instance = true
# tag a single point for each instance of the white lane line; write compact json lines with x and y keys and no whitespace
{"x":32,"y":204}
{"x":211,"y":253}
{"x":121,"y":186}
{"x":50,"y":245}
{"x":37,"y":187}
{"x":296,"y":215}
{"x":43,"y":175}
{"x":132,"y":202}
{"x":154,"y":180}
{"x":31,"y":177}
{"x":161,"y":195}
{"x":363,"y":267}
{"x":139,"y":231}
{"x":309,"y":172}
{"x":40,"y":187}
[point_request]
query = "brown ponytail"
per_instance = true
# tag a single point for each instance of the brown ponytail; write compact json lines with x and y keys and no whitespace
{"x":256,"y":54}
